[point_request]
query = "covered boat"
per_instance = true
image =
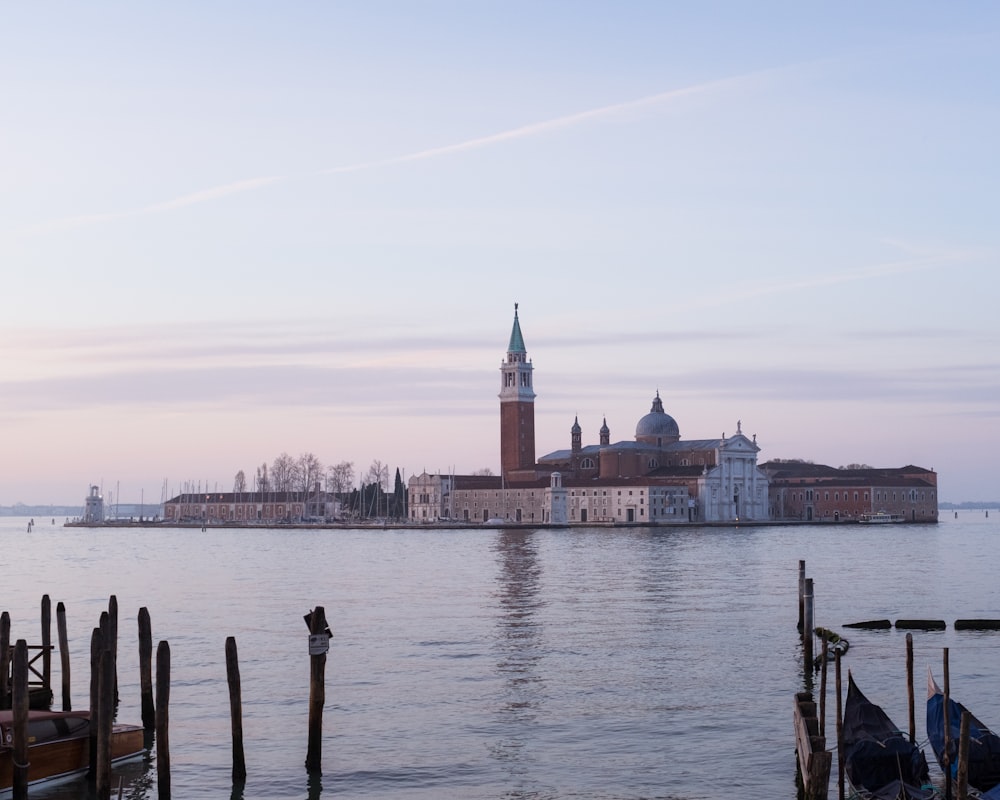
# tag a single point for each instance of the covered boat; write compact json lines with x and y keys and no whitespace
{"x":984,"y":744}
{"x":881,"y":762}
{"x":59,"y":745}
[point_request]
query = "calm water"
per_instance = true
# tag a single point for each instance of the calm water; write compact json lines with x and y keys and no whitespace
{"x":594,"y":663}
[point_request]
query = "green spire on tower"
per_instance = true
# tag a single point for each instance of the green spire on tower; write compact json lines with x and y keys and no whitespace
{"x":516,"y":339}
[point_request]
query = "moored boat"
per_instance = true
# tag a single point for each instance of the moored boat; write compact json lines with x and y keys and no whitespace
{"x":59,"y":745}
{"x":880,"y":518}
{"x":881,"y":762}
{"x":984,"y":745}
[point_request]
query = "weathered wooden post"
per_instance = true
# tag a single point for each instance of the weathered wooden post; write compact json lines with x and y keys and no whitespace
{"x":822,"y":684}
{"x":63,"y":655}
{"x":319,"y":644}
{"x":112,"y":641}
{"x":19,"y":705}
{"x":236,"y":711}
{"x":840,"y":731}
{"x":4,"y":659}
{"x":105,"y":720}
{"x":802,"y":595}
{"x":807,"y":627}
{"x":163,"y":721}
{"x":96,"y":648}
{"x":963,"y":755}
{"x":146,"y":669}
{"x":909,"y":687}
{"x":947,"y":727}
{"x":47,"y":645}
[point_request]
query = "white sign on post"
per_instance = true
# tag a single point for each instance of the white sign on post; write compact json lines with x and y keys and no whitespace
{"x":319,"y":644}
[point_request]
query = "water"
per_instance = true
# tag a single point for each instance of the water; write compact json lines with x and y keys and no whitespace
{"x":549,"y":664}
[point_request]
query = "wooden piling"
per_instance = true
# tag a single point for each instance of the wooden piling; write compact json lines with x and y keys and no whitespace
{"x":19,"y":705}
{"x":64,"y":666}
{"x":840,"y":731}
{"x":807,"y":626}
{"x":105,"y":720}
{"x":802,"y":595}
{"x":947,"y":727}
{"x":962,"y":779}
{"x":236,"y":711}
{"x":822,"y":687}
{"x":47,"y":644}
{"x":112,"y":641}
{"x":163,"y":721}
{"x":96,"y":647}
{"x":317,"y":693}
{"x":909,"y":687}
{"x":146,"y":669}
{"x":4,"y":659}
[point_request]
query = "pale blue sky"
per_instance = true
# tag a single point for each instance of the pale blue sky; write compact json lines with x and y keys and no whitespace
{"x":229,"y":230}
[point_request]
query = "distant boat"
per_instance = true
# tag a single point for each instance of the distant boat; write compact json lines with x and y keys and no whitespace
{"x":880,"y":518}
{"x":59,"y":745}
{"x":984,"y":744}
{"x":881,"y":762}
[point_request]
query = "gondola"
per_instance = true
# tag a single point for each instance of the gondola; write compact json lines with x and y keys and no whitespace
{"x":984,"y":744}
{"x":880,"y":761}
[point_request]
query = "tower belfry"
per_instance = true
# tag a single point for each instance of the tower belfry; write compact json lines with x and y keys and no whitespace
{"x":517,"y":406}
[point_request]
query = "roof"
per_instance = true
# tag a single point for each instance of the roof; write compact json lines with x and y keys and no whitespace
{"x":800,"y":471}
{"x":516,"y":339}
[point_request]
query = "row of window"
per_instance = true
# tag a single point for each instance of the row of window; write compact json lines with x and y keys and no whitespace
{"x":810,"y":495}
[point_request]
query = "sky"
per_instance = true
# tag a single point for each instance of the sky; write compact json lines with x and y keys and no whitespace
{"x":233,"y":230}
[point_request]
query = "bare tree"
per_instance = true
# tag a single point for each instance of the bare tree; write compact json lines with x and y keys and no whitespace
{"x":240,"y":483}
{"x":378,"y":475}
{"x":263,"y":482}
{"x":283,"y":473}
{"x":340,"y":477}
{"x":309,"y":470}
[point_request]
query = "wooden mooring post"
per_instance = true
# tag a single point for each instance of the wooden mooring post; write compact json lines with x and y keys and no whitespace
{"x":63,"y":637}
{"x":319,"y":643}
{"x":236,"y":711}
{"x":840,"y":730}
{"x":807,"y":627}
{"x":146,"y":669}
{"x":46,"y":642}
{"x":105,"y":721}
{"x":802,"y":595}
{"x":96,"y":648}
{"x":947,"y":728}
{"x":4,"y":659}
{"x":909,"y":688}
{"x":19,"y":705}
{"x":163,"y":721}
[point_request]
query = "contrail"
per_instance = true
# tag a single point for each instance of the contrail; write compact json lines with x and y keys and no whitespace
{"x":537,"y":128}
{"x":521,"y":132}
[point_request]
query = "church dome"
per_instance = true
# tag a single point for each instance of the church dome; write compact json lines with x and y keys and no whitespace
{"x":657,"y":424}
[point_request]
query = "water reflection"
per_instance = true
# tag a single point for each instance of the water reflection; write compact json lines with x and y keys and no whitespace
{"x":518,"y":643}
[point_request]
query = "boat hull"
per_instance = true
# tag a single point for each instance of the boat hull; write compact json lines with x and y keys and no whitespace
{"x":68,"y":754}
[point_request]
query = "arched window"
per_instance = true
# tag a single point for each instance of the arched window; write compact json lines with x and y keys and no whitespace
{"x":587,"y":463}
{"x":653,"y":463}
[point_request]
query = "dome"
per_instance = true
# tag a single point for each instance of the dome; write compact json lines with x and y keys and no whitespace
{"x":657,"y":424}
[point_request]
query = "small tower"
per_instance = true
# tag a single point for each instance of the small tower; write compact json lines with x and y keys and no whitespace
{"x":517,"y":406}
{"x":94,"y":506}
{"x":576,"y":435}
{"x":605,"y":433}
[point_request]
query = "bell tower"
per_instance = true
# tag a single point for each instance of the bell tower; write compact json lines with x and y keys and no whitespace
{"x":517,"y":406}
